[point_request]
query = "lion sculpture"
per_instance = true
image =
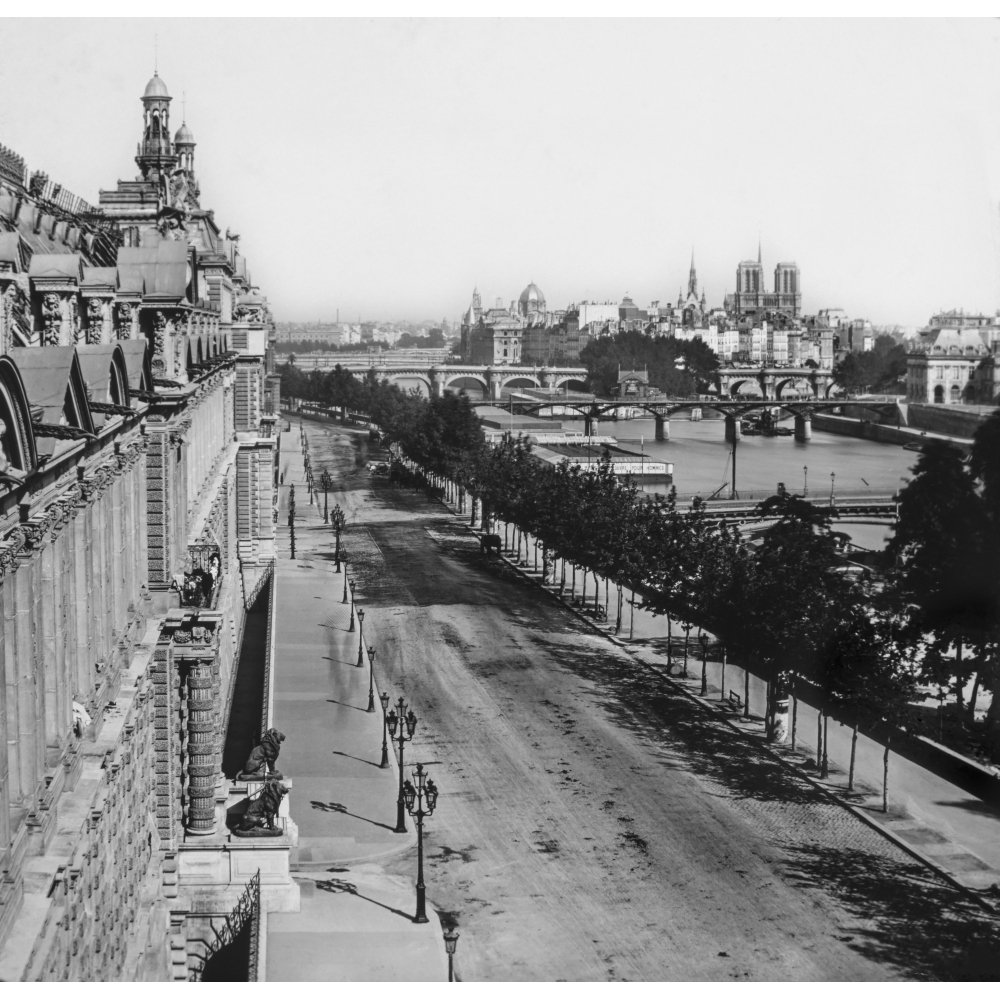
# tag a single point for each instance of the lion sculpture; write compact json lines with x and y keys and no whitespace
{"x":264,"y":807}
{"x":260,"y":763}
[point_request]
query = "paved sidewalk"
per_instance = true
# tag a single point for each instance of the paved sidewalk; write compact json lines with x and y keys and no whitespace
{"x":355,"y":922}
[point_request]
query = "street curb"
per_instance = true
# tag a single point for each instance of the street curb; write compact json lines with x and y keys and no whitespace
{"x":973,"y":894}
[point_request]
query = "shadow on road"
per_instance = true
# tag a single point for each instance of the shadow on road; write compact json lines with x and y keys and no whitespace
{"x":687,"y":736}
{"x":342,"y":885}
{"x":337,"y":807}
{"x":924,"y":928}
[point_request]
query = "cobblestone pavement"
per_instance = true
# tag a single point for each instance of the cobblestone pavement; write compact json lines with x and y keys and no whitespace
{"x":597,"y":824}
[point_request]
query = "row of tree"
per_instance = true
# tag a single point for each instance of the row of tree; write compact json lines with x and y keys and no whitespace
{"x":784,"y":607}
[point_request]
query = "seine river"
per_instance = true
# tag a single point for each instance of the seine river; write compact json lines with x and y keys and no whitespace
{"x":702,"y":461}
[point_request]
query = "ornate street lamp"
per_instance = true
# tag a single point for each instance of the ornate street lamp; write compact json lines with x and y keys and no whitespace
{"x":338,"y":519}
{"x":371,"y":679}
{"x":424,"y":793}
{"x":344,"y":601}
{"x":350,"y":628}
{"x":405,"y":722}
{"x":384,"y":698}
{"x":833,"y":480}
{"x":805,"y":480}
{"x":361,"y":638}
{"x":327,"y":483}
{"x":450,"y":941}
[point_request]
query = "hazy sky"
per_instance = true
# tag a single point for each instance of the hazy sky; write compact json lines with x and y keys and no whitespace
{"x":385,"y":167}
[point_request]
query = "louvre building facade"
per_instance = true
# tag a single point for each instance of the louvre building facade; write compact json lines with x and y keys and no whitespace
{"x":137,"y":493}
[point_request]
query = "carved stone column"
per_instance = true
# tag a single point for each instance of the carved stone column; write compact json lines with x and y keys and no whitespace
{"x":162,"y":355}
{"x":125,"y":320}
{"x":202,"y":749}
{"x":98,"y":320}
{"x":52,"y":319}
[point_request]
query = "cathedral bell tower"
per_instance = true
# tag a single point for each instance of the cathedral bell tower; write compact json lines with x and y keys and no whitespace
{"x":156,"y":157}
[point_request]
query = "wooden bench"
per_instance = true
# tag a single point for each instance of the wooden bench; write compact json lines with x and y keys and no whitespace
{"x":734,"y":699}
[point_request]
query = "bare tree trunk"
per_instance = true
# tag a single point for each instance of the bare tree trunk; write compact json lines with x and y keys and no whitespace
{"x":795,"y":706}
{"x":746,"y":693}
{"x":562,"y":577}
{"x":885,"y":773}
{"x":825,"y":769}
{"x":819,"y":738}
{"x":631,"y":618}
{"x":854,"y":750}
{"x":973,"y":698}
{"x":670,"y":645}
{"x":704,"y":667}
{"x":573,"y":591}
{"x":959,"y":679}
{"x":722,"y":680}
{"x":618,"y":615}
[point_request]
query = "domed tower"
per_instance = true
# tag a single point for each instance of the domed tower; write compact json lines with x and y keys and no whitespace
{"x":184,"y":148}
{"x":156,"y":153}
{"x":531,"y":302}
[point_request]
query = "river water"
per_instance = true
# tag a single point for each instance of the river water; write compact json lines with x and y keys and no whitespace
{"x":702,"y":461}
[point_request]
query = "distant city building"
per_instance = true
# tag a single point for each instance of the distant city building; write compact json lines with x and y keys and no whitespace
{"x":954,"y":360}
{"x":494,"y":336}
{"x":752,"y":297}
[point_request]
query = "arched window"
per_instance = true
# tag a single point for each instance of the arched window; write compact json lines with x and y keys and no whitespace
{"x":955,"y":395}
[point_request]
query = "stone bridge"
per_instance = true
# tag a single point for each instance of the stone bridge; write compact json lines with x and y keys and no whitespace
{"x":770,"y":383}
{"x":493,"y":380}
{"x":593,"y":408}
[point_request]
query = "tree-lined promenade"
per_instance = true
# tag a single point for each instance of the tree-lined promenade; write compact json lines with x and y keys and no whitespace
{"x":785,"y":608}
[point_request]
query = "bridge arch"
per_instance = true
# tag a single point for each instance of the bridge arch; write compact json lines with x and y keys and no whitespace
{"x":410,"y":380}
{"x":738,"y":385}
{"x":520,"y":381}
{"x":800,"y":383}
{"x":570,"y":381}
{"x":464,"y":381}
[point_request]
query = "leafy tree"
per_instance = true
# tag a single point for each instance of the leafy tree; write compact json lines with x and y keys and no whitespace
{"x":794,"y":600}
{"x":940,"y":568}
{"x":675,"y":366}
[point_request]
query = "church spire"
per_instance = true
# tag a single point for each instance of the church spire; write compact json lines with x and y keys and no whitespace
{"x":692,"y":278}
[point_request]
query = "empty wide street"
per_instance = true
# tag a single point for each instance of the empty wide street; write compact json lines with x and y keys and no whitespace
{"x":594,"y":823}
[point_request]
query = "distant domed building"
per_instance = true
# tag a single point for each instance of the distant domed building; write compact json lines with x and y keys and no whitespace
{"x":531,"y":304}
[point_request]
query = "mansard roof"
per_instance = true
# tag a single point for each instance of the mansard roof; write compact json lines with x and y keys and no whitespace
{"x":18,"y":441}
{"x":162,"y":269}
{"x":14,"y":251}
{"x":53,"y":381}
{"x":60,"y":266}
{"x":106,"y":374}
{"x":137,"y":365}
{"x":103,"y":278}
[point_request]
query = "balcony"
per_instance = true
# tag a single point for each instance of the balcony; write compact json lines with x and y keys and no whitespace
{"x":199,"y":584}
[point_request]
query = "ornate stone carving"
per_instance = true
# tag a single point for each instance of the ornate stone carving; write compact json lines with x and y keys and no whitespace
{"x":36,"y":185}
{"x":51,"y":319}
{"x":123,"y":319}
{"x":159,"y":342}
{"x":95,"y":321}
{"x":16,"y":310}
